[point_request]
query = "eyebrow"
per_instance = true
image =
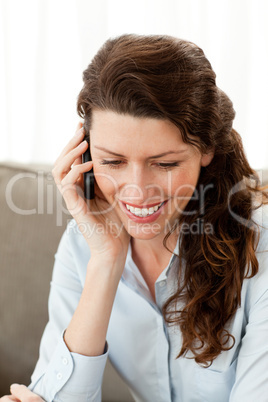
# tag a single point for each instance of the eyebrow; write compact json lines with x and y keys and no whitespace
{"x":150,"y":157}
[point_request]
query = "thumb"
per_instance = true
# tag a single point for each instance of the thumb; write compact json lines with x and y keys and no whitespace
{"x":24,"y":394}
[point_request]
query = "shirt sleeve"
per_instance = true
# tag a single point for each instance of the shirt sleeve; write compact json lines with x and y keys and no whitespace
{"x":59,"y":374}
{"x":251,"y":382}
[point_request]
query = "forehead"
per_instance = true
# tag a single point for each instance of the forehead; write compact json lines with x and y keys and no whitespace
{"x":112,"y":128}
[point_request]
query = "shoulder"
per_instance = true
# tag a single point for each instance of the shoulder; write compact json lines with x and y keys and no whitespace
{"x":260,"y":219}
{"x":258,"y":284}
{"x":72,"y":240}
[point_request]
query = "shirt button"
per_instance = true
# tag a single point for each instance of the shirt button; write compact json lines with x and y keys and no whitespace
{"x":162,"y":284}
{"x":64,"y":361}
{"x":59,"y":376}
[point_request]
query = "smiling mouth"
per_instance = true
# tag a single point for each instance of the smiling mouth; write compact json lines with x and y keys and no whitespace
{"x":144,"y":212}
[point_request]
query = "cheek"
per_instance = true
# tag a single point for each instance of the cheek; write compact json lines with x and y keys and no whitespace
{"x":184,"y":184}
{"x":106,"y":183}
{"x":183,"y":188}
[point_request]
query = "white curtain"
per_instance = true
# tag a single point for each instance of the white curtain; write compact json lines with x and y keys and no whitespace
{"x":46,"y":44}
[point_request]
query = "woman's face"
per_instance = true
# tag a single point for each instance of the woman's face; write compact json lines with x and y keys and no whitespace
{"x":143,"y":163}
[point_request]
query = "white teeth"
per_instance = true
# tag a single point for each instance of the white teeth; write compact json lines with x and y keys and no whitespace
{"x":142,"y":212}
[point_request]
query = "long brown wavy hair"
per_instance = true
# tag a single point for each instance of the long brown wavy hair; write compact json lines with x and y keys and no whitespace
{"x":167,"y":78}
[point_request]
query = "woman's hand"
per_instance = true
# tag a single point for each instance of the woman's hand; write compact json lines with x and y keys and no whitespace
{"x":20,"y":393}
{"x":112,"y":241}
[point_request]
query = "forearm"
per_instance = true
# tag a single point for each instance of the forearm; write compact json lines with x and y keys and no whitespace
{"x":86,"y":333}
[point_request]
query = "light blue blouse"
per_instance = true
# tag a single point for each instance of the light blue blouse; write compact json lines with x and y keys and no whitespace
{"x":142,"y":347}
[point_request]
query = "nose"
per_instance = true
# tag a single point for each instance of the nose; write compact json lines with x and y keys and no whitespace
{"x":139,"y":186}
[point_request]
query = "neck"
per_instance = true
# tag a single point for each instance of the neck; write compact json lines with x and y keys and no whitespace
{"x":154,"y":248}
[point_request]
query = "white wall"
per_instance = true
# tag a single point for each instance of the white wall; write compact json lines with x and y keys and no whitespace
{"x":46,"y":44}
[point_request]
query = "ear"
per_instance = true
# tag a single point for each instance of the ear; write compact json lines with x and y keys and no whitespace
{"x":207,"y":158}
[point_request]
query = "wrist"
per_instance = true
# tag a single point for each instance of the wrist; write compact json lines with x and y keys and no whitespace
{"x":110,"y":260}
{"x":106,"y":268}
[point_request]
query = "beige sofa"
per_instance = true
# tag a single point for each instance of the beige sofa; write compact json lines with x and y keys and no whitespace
{"x":33,"y":219}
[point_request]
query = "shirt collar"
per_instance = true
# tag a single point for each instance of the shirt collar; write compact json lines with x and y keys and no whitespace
{"x":132,"y":274}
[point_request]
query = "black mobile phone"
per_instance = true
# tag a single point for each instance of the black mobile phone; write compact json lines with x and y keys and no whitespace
{"x":88,"y":176}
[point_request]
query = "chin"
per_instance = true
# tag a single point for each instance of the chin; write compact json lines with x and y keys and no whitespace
{"x":143,"y":232}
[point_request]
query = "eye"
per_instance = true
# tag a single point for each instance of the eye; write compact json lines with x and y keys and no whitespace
{"x":167,"y":166}
{"x":112,"y":164}
{"x":116,"y":164}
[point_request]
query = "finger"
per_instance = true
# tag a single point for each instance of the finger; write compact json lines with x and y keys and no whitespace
{"x":79,"y":125}
{"x":71,"y":189}
{"x":69,"y":159}
{"x":24,"y":394}
{"x":80,"y":181}
{"x":64,"y":166}
{"x":8,"y":398}
{"x":78,"y":161}
{"x":75,"y":140}
{"x":76,"y":172}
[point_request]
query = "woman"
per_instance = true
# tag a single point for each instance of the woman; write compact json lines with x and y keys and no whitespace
{"x":167,"y":262}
